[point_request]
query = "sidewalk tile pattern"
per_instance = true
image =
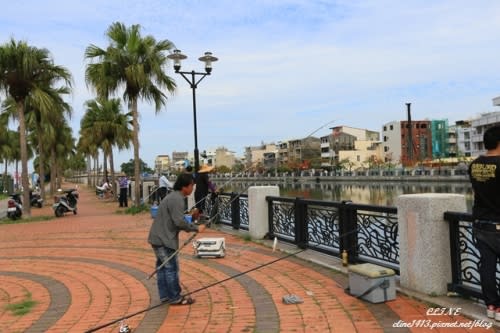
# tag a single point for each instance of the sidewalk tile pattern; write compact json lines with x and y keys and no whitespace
{"x":89,"y":269}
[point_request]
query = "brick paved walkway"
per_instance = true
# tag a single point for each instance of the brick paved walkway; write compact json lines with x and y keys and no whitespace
{"x":89,"y":269}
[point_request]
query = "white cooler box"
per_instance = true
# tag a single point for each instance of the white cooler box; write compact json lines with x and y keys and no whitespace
{"x":372,"y":283}
{"x":210,"y":247}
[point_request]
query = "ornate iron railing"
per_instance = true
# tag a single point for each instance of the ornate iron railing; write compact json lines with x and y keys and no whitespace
{"x":464,"y":256}
{"x":367,"y":233}
{"x":229,"y":209}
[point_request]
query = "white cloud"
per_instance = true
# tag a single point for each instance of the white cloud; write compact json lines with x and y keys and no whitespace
{"x":286,"y":67}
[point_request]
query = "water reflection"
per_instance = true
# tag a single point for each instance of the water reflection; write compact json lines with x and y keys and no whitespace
{"x":375,"y":193}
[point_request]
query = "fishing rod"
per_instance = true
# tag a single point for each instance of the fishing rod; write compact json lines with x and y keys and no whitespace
{"x":186,"y":242}
{"x":192,"y":237}
{"x":193,"y":292}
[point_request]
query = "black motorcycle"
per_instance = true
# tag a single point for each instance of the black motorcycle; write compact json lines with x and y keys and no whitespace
{"x":36,"y":199}
{"x":66,"y":202}
{"x":14,"y":206}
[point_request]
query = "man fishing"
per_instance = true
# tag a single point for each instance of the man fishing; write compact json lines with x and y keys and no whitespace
{"x":164,"y":238}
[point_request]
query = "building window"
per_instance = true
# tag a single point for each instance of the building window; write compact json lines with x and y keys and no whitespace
{"x":391,"y":127}
{"x":385,"y":128}
{"x":358,"y":158}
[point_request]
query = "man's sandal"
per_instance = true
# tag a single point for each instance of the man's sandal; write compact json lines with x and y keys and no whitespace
{"x":184,"y":300}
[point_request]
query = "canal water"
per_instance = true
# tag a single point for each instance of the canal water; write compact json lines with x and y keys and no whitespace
{"x":373,"y":193}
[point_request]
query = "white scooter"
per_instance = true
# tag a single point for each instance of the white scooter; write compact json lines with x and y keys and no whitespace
{"x":66,"y":202}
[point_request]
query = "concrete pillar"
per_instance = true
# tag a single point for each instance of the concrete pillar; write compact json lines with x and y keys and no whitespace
{"x":424,"y":240}
{"x":258,"y":219}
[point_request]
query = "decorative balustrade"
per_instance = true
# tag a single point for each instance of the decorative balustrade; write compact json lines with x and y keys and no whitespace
{"x":368,"y":233}
{"x":464,"y":256}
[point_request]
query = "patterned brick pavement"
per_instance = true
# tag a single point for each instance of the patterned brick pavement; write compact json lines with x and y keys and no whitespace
{"x":89,"y":269}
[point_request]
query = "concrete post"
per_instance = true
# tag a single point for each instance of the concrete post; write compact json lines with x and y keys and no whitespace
{"x":258,"y":220}
{"x":424,"y":240}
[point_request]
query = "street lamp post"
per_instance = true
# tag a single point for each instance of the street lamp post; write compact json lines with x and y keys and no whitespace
{"x":190,"y":77}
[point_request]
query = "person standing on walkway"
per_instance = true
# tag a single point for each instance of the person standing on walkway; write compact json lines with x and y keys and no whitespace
{"x":163,"y":186}
{"x":203,"y":186}
{"x":484,"y":173}
{"x":164,"y":238}
{"x":123,"y":183}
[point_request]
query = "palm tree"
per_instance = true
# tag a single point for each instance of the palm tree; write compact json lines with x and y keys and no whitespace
{"x":6,"y":142}
{"x":25,"y":71}
{"x":87,"y":147}
{"x":137,"y":64}
{"x":108,"y":126}
{"x":40,"y":122}
{"x":44,"y":118}
{"x":61,"y":150}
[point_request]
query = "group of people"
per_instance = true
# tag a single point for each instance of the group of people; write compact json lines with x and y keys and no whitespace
{"x":123,"y":183}
{"x":202,"y":186}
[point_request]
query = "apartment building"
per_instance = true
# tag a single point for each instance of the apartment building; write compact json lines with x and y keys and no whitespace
{"x":178,"y":158}
{"x":258,"y":154}
{"x":439,"y":138}
{"x":479,"y":125}
{"x":224,"y":157}
{"x":344,"y":138}
{"x":162,"y":163}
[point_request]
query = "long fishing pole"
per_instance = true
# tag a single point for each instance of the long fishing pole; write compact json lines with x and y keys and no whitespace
{"x":172,"y":255}
{"x":194,"y":291}
{"x":218,"y":282}
{"x":189,"y":239}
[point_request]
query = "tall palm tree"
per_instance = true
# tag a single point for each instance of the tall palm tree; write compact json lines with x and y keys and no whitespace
{"x":108,"y":126}
{"x":44,"y":119}
{"x":87,"y":147}
{"x":61,"y":151}
{"x":137,"y":64}
{"x":25,"y":70}
{"x":40,"y":122}
{"x":6,"y":143}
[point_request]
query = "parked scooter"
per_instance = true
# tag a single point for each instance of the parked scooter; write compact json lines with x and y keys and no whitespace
{"x":36,"y":199}
{"x":66,"y":202}
{"x":15,"y":206}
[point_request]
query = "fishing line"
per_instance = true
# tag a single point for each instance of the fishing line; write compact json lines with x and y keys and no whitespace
{"x":192,"y":237}
{"x":193,"y":292}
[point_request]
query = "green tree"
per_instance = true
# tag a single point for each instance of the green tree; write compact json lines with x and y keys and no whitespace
{"x":40,"y":121}
{"x":137,"y":64}
{"x":25,"y":71}
{"x":223,"y":169}
{"x":129,"y":167}
{"x":106,"y":125}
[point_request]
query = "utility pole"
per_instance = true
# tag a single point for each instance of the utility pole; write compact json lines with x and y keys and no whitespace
{"x":410,"y":135}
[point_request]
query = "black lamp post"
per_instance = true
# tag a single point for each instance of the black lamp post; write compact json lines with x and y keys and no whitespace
{"x":177,"y":56}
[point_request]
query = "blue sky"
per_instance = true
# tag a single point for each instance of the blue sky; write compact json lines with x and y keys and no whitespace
{"x":285,"y":67}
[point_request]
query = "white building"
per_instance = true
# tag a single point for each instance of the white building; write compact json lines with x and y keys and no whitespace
{"x":391,"y":141}
{"x":479,"y":125}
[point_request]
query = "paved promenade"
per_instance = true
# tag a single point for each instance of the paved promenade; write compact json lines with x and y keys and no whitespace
{"x":89,"y":269}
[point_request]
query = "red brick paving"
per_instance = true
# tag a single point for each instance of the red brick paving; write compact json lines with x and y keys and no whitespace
{"x":89,"y":269}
